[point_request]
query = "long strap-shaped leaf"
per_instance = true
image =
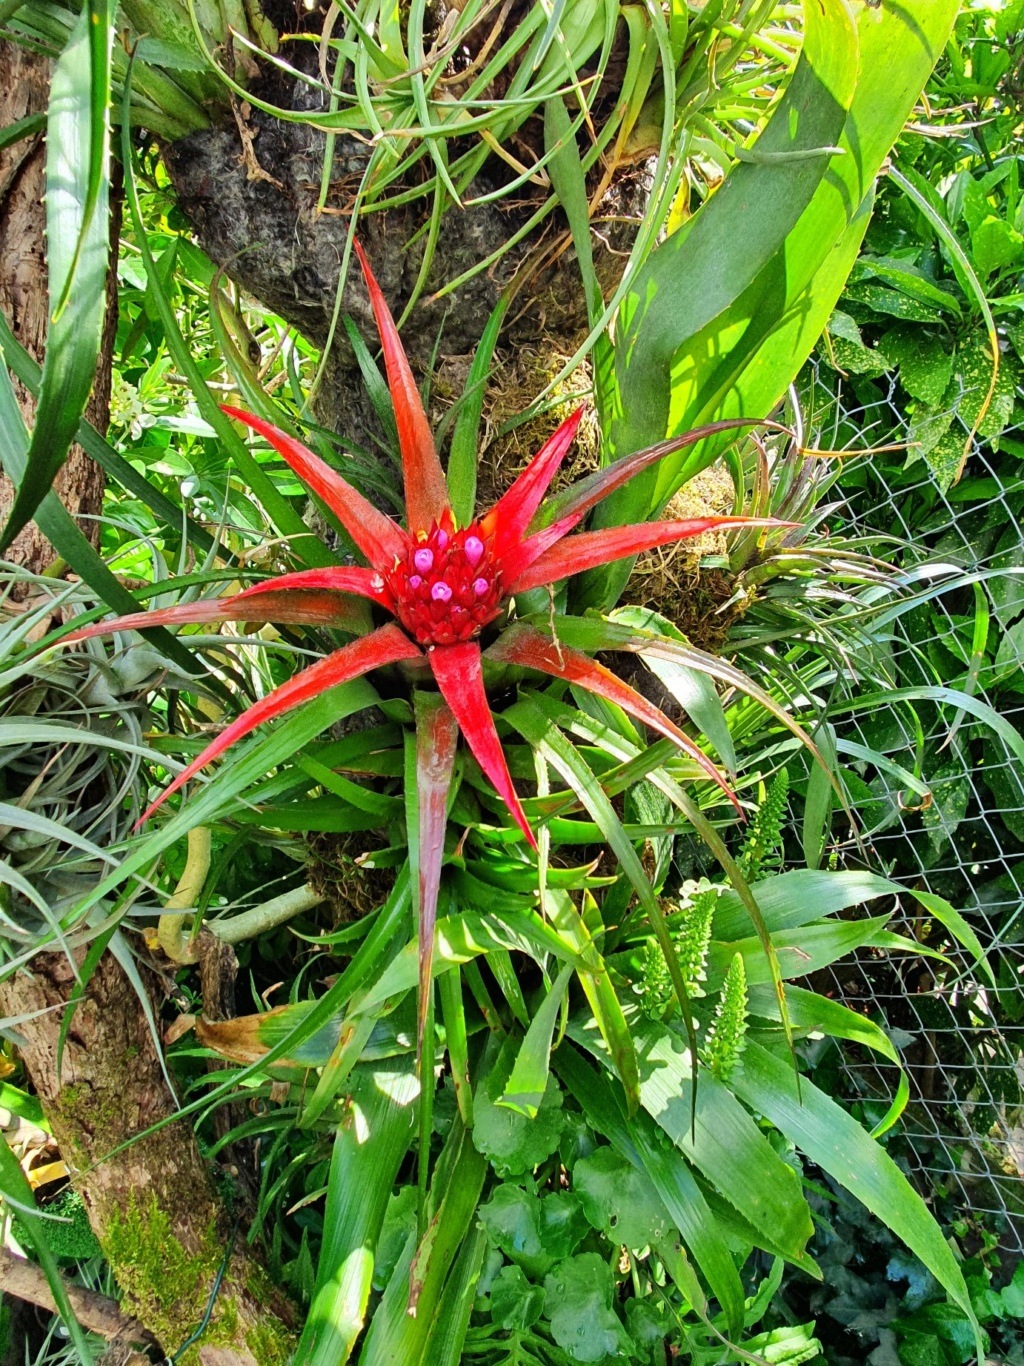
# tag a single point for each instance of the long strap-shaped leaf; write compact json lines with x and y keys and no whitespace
{"x":526,"y":646}
{"x":588,"y":492}
{"x":366,"y":583}
{"x":386,"y":645}
{"x":379,"y":538}
{"x":459,"y":675}
{"x":531,"y":722}
{"x":296,"y":608}
{"x":436,"y":738}
{"x":588,"y":549}
{"x":515,"y":510}
{"x":837,"y":1143}
{"x":77,"y":237}
{"x":426,"y":494}
{"x":372,"y":1139}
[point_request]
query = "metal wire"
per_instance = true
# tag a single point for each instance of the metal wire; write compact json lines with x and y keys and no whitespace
{"x":962,"y":1040}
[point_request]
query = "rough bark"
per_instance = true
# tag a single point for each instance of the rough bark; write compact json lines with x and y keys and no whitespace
{"x":270,"y":238}
{"x":24,"y":87}
{"x":97,"y":1313}
{"x":153,"y":1205}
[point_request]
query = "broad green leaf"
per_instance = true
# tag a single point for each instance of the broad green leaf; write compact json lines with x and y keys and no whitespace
{"x":78,"y":248}
{"x":640,"y":1140}
{"x":515,"y":1303}
{"x":579,"y":1299}
{"x":723,"y":1143}
{"x":371,"y":1141}
{"x":830,"y":1137}
{"x":809,"y":1010}
{"x":619,"y":1200}
{"x":513,"y":1143}
{"x":742,"y":363}
{"x":804,"y":951}
{"x":533,"y":1231}
{"x":693,"y":278}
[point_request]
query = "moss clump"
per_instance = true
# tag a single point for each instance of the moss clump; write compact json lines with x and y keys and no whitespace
{"x":270,"y":1343}
{"x":163,"y":1285}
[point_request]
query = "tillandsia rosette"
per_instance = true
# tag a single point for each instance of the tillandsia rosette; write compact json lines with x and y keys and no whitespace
{"x":445,"y":584}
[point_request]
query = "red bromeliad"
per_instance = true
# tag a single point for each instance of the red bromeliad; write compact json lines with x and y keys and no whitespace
{"x":444,"y":583}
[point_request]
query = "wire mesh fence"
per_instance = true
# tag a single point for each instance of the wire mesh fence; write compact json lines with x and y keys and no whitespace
{"x":957,"y":829}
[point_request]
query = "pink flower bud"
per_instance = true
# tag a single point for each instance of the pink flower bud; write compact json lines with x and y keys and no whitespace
{"x":414,"y":581}
{"x":481,"y":587}
{"x":441,"y":538}
{"x":424,"y":560}
{"x":440,"y":591}
{"x":474,"y":549}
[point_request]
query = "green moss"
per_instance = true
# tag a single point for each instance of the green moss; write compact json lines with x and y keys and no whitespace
{"x":168,"y":1288}
{"x":270,"y":1343}
{"x":163,"y":1284}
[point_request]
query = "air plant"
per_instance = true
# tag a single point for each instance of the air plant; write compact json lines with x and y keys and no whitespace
{"x":444,"y":585}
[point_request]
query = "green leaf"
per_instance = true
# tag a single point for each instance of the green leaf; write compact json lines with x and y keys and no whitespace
{"x":837,"y":1143}
{"x":527,"y":1086}
{"x":640,"y":1140}
{"x":78,"y":247}
{"x":579,"y":1298}
{"x":533,"y":1231}
{"x":692,"y":689}
{"x":369,"y":1146}
{"x":515,"y":1303}
{"x":619,"y":1200}
{"x":995,"y":244}
{"x":61,"y":530}
{"x":742,"y":363}
{"x":925,"y":364}
{"x":464,"y":452}
{"x":724,"y":1144}
{"x":735,"y":234}
{"x":514,"y":1144}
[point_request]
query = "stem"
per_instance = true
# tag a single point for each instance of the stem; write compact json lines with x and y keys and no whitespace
{"x":171,"y":933}
{"x":270,"y":914}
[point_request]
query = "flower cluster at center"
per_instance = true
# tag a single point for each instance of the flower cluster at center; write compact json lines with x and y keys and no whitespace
{"x":447,"y":587}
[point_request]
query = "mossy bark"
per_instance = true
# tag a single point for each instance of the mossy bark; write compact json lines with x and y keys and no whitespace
{"x":153,"y":1205}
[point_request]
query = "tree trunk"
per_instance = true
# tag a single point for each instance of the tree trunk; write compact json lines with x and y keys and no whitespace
{"x":153,"y":1205}
{"x":24,"y":87}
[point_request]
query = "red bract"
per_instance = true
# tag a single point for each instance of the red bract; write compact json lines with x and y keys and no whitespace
{"x":444,"y":583}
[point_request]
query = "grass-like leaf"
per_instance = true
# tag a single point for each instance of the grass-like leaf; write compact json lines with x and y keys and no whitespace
{"x":78,"y":248}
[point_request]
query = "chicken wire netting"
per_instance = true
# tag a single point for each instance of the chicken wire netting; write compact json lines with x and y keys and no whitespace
{"x":959,"y":832}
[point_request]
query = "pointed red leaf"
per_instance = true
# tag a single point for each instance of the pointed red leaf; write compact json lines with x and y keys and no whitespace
{"x":436,"y":737}
{"x":366,"y":583}
{"x":460,"y":677}
{"x":288,"y":609}
{"x":386,"y":645}
{"x":589,"y":491}
{"x":426,"y":493}
{"x":512,"y":514}
{"x":380,"y":539}
{"x":531,"y":649}
{"x":588,"y":549}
